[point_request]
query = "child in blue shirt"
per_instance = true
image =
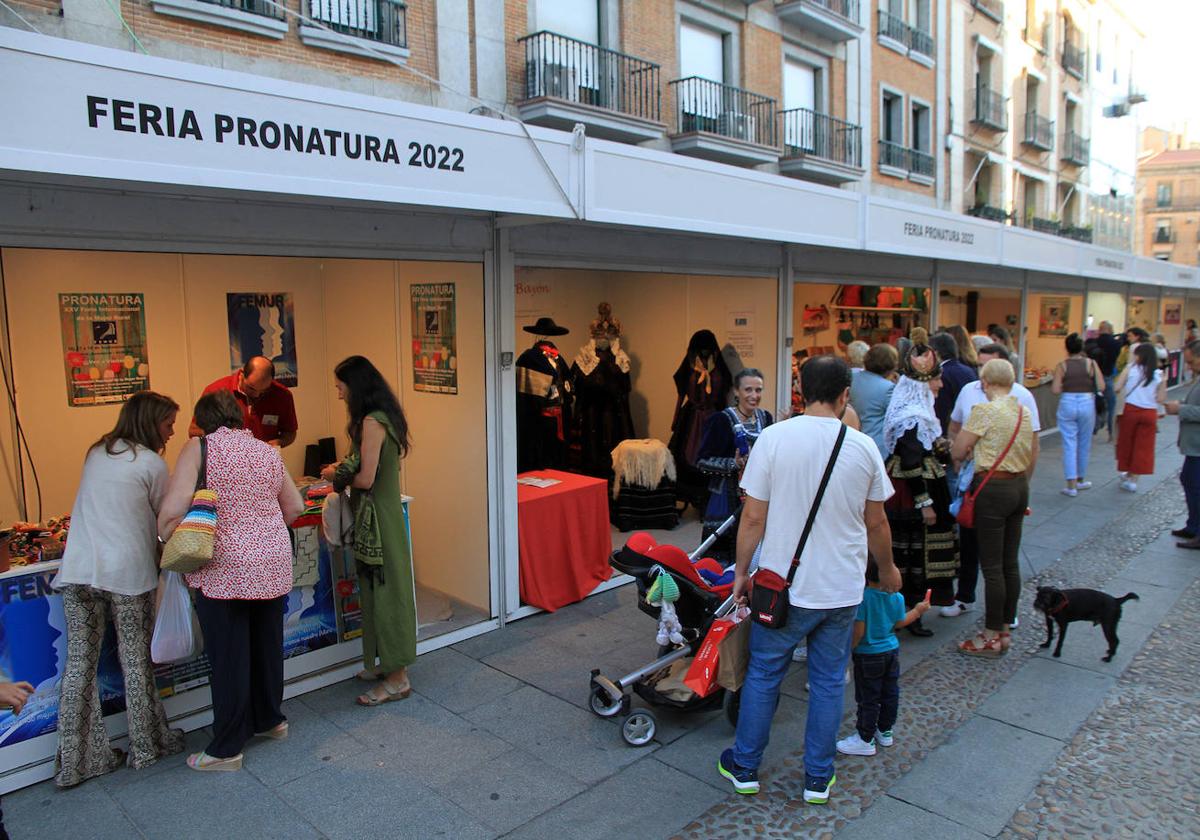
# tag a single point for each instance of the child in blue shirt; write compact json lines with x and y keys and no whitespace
{"x":877,"y":664}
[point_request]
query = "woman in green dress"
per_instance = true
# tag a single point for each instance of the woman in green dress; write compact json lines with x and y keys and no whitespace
{"x":382,"y":549}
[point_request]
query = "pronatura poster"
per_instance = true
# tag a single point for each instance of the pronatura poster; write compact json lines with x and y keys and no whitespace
{"x":263,"y":324}
{"x":1056,"y":316}
{"x":435,"y":337}
{"x":104,"y":346}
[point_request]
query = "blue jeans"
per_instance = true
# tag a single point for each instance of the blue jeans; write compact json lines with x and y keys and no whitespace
{"x":828,"y":633}
{"x":1076,"y":418}
{"x":1189,"y":477}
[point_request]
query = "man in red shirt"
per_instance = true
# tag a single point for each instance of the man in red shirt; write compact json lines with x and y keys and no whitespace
{"x":267,"y":407}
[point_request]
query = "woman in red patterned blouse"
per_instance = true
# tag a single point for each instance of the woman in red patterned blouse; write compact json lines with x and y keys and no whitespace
{"x":240,"y":595}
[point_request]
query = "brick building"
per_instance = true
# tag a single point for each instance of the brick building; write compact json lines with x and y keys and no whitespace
{"x":1169,"y":206}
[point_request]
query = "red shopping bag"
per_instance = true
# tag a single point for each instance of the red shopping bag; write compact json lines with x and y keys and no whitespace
{"x":721,"y":660}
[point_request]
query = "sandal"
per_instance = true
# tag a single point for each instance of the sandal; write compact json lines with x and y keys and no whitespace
{"x":1005,"y":640}
{"x":390,"y":693}
{"x":981,"y":645}
{"x":275,"y":733}
{"x":204,"y":761}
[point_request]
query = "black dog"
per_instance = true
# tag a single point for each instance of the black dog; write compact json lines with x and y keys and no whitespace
{"x":1067,"y":605}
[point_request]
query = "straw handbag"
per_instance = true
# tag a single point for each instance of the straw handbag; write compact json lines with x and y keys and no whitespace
{"x":191,"y":545}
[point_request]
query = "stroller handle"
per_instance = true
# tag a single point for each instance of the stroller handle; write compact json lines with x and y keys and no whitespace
{"x":715,"y":535}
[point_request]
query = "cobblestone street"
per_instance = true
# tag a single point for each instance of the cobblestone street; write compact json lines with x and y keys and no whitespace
{"x":497,"y":740}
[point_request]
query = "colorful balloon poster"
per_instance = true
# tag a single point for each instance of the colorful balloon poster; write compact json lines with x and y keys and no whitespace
{"x":263,"y":324}
{"x":434,"y":338}
{"x":104,"y":346}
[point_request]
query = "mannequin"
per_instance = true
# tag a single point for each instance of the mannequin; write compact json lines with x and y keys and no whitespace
{"x":601,"y":386}
{"x":544,"y":399}
{"x":702,"y":385}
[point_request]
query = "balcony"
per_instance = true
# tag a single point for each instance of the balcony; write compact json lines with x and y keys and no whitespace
{"x":374,"y":27}
{"x":836,"y":20}
{"x":920,"y":165}
{"x":897,"y":35}
{"x":1044,"y":225}
{"x":1076,"y":149}
{"x":991,"y":109}
{"x":820,"y":147}
{"x":992,"y":214}
{"x":991,"y":8}
{"x":1039,"y":132}
{"x":1074,"y":58}
{"x":256,"y":17}
{"x":893,"y":159}
{"x":722,"y":122}
{"x":1079,"y":234}
{"x":614,"y":95}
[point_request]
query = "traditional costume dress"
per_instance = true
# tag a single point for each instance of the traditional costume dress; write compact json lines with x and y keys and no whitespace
{"x":601,"y":384}
{"x":927,"y":555}
{"x":702,"y":385}
{"x":726,"y":435}
{"x":543,"y":402}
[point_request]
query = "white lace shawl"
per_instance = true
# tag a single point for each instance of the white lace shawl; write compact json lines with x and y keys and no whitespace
{"x":911,"y":407}
{"x":587,"y":358}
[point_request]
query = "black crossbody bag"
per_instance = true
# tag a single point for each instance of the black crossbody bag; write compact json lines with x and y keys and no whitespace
{"x":769,"y":595}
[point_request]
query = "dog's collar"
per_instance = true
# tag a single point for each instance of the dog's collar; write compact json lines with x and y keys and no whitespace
{"x":1060,"y":607}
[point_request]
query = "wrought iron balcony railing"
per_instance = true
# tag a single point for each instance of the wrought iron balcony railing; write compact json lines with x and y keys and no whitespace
{"x":1044,"y":225}
{"x":843,"y":8}
{"x":384,"y":21}
{"x":254,"y":7}
{"x":704,"y":105}
{"x":809,"y":133}
{"x":1039,"y":131}
{"x":1074,"y":59}
{"x":565,"y":68}
{"x":893,"y":155}
{"x":894,"y":27}
{"x":991,"y":109}
{"x":920,"y":163}
{"x":1079,"y":234}
{"x":1076,"y":149}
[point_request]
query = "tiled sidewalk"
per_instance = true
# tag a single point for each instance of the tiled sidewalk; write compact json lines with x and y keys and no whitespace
{"x":498,"y":741}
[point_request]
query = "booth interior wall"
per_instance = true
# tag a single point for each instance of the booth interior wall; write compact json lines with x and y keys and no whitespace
{"x":658,"y":314}
{"x":1171,"y":310}
{"x":1107,"y":306}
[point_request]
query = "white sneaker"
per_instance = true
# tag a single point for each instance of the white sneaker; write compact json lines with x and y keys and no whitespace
{"x":1070,"y":491}
{"x":800,"y":654}
{"x":884,"y":739}
{"x":1016,"y":622}
{"x":1083,"y":485}
{"x":1129,"y":486}
{"x":855,"y":745}
{"x":956,"y":609}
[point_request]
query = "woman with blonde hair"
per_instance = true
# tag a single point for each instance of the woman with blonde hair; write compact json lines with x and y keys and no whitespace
{"x":998,"y":434}
{"x":110,"y":571}
{"x":966,"y":347}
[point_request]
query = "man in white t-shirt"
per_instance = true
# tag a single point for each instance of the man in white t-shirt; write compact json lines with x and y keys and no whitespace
{"x":970,"y":396}
{"x":781,"y":481}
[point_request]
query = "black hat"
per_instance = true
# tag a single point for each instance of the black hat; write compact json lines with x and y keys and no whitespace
{"x":546,"y":326}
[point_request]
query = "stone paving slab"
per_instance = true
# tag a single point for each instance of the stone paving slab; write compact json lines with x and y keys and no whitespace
{"x":457,"y":681}
{"x":84,"y":811}
{"x":1152,"y":605}
{"x":981,"y":775}
{"x":893,"y":819}
{"x":1048,"y":697}
{"x":1086,"y":647}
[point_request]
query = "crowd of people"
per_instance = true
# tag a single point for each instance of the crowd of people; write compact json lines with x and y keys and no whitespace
{"x":929,"y":488}
{"x":128,"y":506}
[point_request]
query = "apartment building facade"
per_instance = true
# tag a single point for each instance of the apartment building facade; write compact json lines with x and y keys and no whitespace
{"x":1169,"y":206}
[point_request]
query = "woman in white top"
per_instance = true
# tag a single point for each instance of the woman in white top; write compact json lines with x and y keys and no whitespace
{"x":110,"y":569}
{"x":1144,"y":388}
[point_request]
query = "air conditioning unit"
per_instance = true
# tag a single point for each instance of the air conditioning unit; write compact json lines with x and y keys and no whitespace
{"x":557,"y":80}
{"x":1120,"y":109}
{"x":736,"y":125}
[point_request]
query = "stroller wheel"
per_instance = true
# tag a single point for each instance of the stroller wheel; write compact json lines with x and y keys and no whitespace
{"x":604,"y":699}
{"x":731,"y":704}
{"x":639,"y":728}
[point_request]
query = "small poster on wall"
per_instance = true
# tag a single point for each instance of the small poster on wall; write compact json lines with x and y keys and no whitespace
{"x":434,"y":342}
{"x":263,"y":324}
{"x":1056,"y":317}
{"x":1173,"y":313}
{"x":104,"y":346}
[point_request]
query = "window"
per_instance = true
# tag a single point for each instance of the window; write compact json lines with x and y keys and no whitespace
{"x":701,"y":52}
{"x":1032,"y":87}
{"x":1070,"y":115}
{"x":921,"y":16}
{"x":891,"y":118}
{"x":1162,"y":231}
{"x":1030,"y":203}
{"x":578,"y":19}
{"x":1164,"y":256}
{"x":920,"y":125}
{"x":1164,"y":194}
{"x":801,"y":89}
{"x":1099,"y":48}
{"x":376,"y":20}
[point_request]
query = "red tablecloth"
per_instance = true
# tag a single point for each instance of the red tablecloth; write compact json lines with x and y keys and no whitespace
{"x":564,"y":536}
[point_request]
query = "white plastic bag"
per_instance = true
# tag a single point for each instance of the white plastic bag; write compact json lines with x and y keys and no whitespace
{"x":337,"y":519}
{"x":174,"y":639}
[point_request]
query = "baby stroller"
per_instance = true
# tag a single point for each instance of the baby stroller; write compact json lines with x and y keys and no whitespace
{"x":698,"y":605}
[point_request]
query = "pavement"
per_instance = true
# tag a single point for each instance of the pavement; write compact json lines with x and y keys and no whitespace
{"x":497,"y":739}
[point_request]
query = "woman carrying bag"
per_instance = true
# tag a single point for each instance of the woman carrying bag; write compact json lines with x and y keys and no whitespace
{"x":999,"y":435}
{"x":1078,"y":379}
{"x":378,"y":434}
{"x":240,"y":593}
{"x":110,"y":570}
